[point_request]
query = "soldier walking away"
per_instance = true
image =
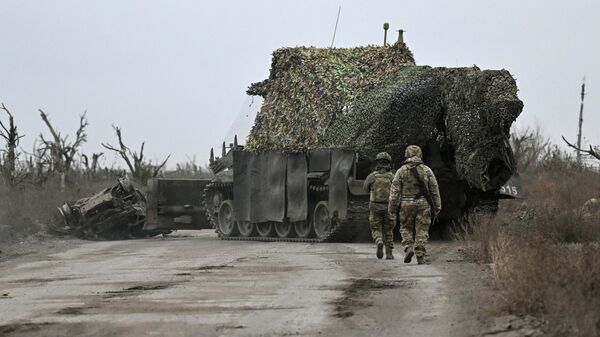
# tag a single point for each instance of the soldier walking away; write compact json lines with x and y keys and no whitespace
{"x":416,"y":191}
{"x":382,"y":222}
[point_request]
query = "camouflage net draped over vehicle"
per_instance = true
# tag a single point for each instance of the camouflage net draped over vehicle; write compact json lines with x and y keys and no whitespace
{"x":466,"y":109}
{"x":375,"y":99}
{"x":309,"y":87}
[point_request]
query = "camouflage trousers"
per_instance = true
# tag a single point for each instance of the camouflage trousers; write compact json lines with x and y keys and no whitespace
{"x":382,"y":227}
{"x":415,"y":219}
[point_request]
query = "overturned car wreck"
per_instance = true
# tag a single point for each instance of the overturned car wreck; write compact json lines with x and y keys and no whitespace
{"x":115,"y":213}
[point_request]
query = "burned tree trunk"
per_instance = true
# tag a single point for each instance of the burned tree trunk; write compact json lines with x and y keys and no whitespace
{"x":61,"y":152}
{"x":92,"y":167}
{"x":9,"y":154}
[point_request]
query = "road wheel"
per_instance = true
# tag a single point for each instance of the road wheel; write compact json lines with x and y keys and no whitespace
{"x":265,"y":229}
{"x":246,"y":228}
{"x":321,"y":220}
{"x":225,"y":220}
{"x":212,"y":200}
{"x":303,"y":229}
{"x":284,"y":229}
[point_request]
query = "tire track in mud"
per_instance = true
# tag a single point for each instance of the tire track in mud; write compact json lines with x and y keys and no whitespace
{"x":356,"y":293}
{"x":385,"y":297}
{"x":97,"y":303}
{"x":23,"y":329}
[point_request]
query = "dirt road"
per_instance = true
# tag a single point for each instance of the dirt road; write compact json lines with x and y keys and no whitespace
{"x":192,"y":284}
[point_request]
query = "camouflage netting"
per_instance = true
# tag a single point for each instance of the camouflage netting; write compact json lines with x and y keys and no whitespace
{"x":375,"y":99}
{"x":309,"y":87}
{"x":466,"y":110}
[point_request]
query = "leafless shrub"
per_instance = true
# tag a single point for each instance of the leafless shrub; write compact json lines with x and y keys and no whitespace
{"x":544,"y":249}
{"x":139,"y":167}
{"x":37,"y":164}
{"x":189,"y":169}
{"x":530,"y":147}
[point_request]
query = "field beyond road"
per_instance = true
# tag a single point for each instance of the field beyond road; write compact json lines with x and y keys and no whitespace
{"x":192,"y":284}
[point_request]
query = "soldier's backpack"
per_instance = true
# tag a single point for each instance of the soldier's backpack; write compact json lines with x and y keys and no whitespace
{"x":380,"y":189}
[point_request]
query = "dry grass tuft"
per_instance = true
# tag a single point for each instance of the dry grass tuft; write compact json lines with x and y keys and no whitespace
{"x":544,"y":250}
{"x":557,"y":281}
{"x":479,"y":232}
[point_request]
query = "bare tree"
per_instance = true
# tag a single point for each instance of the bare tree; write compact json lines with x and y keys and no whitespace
{"x":9,"y":158}
{"x":37,"y":163}
{"x":593,"y":151}
{"x":61,"y":151}
{"x":140,"y":169}
{"x":530,"y":147}
{"x":93,"y":166}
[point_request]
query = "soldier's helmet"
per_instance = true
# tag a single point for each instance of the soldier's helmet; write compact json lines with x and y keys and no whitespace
{"x":413,"y":151}
{"x":383,"y":156}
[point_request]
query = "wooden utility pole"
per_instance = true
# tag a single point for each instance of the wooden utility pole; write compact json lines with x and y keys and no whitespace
{"x":580,"y":122}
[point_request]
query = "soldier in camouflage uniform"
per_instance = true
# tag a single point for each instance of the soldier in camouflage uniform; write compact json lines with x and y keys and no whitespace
{"x":413,"y":188}
{"x":382,"y":222}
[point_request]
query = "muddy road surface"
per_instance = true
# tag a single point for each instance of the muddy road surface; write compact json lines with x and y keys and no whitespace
{"x":192,"y":284}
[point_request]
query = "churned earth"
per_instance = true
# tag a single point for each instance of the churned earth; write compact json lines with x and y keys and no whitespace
{"x":192,"y":284}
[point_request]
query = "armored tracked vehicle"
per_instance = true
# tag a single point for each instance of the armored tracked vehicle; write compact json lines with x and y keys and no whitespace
{"x":311,"y":196}
{"x":342,"y":106}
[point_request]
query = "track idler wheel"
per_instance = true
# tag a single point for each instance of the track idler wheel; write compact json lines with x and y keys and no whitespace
{"x":212,"y":199}
{"x":225,"y":222}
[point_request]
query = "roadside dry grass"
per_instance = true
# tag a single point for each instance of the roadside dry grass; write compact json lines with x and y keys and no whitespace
{"x":544,"y":250}
{"x":27,"y":209}
{"x":30,"y":207}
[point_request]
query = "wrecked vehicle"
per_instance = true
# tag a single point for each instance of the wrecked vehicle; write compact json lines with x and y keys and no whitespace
{"x":115,"y":213}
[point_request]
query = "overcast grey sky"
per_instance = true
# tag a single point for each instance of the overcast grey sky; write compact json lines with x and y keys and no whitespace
{"x":174,"y":73}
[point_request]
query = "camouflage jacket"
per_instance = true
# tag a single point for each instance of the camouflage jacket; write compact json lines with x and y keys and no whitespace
{"x":379,"y":191}
{"x":405,"y":187}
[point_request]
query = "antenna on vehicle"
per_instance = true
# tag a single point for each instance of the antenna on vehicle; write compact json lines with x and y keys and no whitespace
{"x":400,"y":36}
{"x":336,"y":24}
{"x":386,"y":26}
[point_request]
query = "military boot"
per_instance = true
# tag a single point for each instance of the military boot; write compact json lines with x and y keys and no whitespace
{"x":421,"y":259}
{"x":388,"y":254}
{"x":409,"y":252}
{"x":379,"y":243}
